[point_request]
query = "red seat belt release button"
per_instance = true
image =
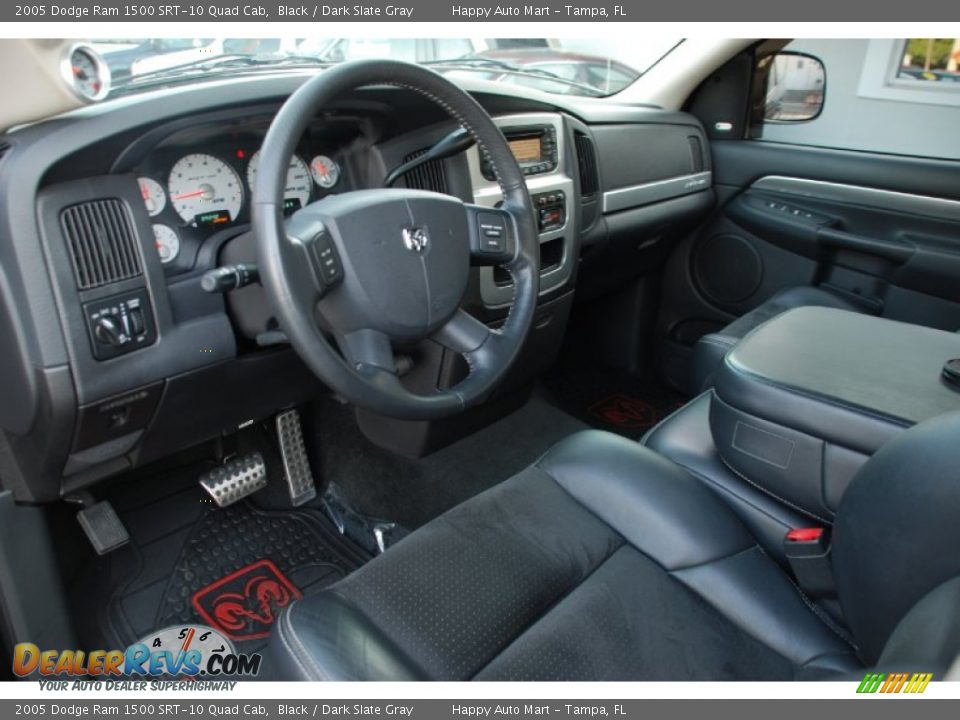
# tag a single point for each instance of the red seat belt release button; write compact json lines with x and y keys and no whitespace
{"x":804,"y":534}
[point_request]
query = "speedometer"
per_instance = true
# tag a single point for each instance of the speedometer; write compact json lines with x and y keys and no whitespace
{"x":202,"y":187}
{"x":296,"y":194}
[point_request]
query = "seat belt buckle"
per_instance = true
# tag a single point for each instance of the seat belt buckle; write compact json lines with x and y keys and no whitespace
{"x":808,"y":552}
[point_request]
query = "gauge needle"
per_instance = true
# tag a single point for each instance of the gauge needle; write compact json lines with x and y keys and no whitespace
{"x":196,"y":193}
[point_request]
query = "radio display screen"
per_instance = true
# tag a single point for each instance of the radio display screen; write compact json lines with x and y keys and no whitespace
{"x":526,"y":149}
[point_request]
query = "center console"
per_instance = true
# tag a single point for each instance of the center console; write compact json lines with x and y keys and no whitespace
{"x":801,"y":403}
{"x":537,"y":142}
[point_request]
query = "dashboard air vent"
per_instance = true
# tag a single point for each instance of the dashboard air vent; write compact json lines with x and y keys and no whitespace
{"x":429,"y":176}
{"x":587,"y":162}
{"x":102,"y":242}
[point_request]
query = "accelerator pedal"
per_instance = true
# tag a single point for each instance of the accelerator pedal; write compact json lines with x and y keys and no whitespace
{"x":104,"y":529}
{"x":296,"y":465}
{"x":235,"y":480}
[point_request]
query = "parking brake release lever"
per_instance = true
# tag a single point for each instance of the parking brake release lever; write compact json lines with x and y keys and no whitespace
{"x":229,"y":277}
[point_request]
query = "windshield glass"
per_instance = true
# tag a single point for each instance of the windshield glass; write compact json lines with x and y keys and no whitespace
{"x":584,"y":67}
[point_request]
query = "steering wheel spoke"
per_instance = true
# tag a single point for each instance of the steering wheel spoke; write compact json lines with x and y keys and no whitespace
{"x":493,"y":235}
{"x":367,"y":349}
{"x":463,"y":333}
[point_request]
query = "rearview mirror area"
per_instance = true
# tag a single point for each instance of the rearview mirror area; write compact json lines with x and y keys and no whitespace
{"x":790,"y":86}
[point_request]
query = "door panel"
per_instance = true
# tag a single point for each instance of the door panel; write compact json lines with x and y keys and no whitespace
{"x":882,"y":229}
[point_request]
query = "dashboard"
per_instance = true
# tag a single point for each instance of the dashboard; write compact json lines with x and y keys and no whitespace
{"x":111,"y":216}
{"x":198,"y":181}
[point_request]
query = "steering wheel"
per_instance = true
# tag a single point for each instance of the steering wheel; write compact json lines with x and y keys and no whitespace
{"x":371,"y":268}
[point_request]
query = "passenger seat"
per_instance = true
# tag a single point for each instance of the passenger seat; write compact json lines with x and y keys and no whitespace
{"x":710,"y":349}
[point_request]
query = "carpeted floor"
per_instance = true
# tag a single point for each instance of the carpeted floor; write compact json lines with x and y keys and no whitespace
{"x":610,"y":399}
{"x":411,"y":492}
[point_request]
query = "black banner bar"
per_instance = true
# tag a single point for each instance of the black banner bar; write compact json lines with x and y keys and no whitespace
{"x":102,"y":11}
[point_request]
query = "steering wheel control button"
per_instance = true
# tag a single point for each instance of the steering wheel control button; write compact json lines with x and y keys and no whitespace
{"x":119,"y":325}
{"x":322,"y":258}
{"x":329,"y":263}
{"x":493,"y":233}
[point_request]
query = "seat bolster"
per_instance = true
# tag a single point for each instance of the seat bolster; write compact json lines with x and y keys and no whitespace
{"x":654,"y":504}
{"x":754,"y":594}
{"x":329,"y":639}
{"x":685,"y":438}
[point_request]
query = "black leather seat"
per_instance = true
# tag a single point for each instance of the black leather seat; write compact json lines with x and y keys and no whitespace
{"x":710,"y":349}
{"x":606,"y":561}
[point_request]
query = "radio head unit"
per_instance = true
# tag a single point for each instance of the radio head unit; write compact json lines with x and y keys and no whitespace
{"x":535,"y":149}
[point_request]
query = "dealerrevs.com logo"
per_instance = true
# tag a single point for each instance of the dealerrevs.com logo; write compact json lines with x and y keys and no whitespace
{"x":890,"y":683}
{"x":190,"y":652}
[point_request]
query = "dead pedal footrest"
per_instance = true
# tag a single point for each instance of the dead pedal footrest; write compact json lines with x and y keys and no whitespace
{"x":103,"y":527}
{"x":296,"y":465}
{"x":236,"y":479}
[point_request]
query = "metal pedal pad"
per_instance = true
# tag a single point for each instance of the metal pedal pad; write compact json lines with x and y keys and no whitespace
{"x":236,"y":479}
{"x":103,"y":527}
{"x":296,"y":465}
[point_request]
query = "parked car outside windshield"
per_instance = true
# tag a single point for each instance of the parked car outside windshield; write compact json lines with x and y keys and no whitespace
{"x":563,"y":67}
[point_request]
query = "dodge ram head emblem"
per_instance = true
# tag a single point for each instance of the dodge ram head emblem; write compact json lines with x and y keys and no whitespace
{"x":416,"y":239}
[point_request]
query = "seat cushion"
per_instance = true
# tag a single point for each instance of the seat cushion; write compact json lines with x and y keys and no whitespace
{"x":604,"y":561}
{"x":709,"y":351}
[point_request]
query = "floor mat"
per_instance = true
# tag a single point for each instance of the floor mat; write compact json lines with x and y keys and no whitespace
{"x":611,"y":399}
{"x":191,"y":562}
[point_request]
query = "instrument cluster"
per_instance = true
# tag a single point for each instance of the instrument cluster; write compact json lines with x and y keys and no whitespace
{"x":191,"y":192}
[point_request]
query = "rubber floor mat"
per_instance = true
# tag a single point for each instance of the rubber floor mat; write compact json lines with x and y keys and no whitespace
{"x":611,"y":399}
{"x":189,"y":561}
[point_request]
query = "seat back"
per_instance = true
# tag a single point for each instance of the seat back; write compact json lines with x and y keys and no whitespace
{"x":897,"y":532}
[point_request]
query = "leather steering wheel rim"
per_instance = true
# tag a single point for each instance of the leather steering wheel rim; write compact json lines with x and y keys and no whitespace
{"x":368,"y":382}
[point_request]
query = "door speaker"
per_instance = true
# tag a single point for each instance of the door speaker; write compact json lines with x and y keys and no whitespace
{"x":727,"y":268}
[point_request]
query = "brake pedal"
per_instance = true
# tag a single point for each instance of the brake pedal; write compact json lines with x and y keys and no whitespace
{"x":103,"y":527}
{"x":296,"y":465}
{"x":236,"y":479}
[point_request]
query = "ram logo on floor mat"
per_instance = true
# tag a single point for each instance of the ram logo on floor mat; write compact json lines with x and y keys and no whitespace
{"x":624,"y":411}
{"x":245,"y":604}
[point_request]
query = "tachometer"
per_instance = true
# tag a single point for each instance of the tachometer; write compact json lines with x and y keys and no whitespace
{"x":325,"y":172}
{"x":202,"y":185}
{"x":153,"y":194}
{"x":296,"y":194}
{"x":168,"y":243}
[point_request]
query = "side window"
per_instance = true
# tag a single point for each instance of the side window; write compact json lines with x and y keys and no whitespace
{"x":887,"y":96}
{"x":930,"y":60}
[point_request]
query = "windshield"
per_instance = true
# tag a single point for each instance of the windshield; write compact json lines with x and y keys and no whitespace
{"x":584,"y":67}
